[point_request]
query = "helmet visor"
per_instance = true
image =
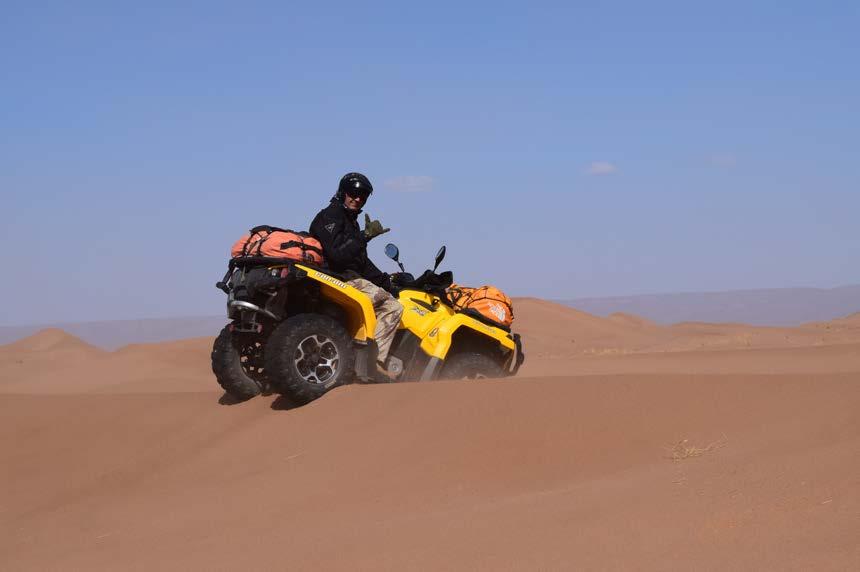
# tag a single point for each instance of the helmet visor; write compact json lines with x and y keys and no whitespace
{"x":357,"y":191}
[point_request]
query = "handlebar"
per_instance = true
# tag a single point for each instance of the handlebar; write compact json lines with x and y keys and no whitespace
{"x":429,"y":282}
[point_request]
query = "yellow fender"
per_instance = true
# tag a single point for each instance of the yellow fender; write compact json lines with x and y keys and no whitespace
{"x":438,"y":341}
{"x":356,"y":304}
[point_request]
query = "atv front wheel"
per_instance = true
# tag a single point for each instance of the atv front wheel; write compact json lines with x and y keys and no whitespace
{"x":471,"y":365}
{"x":308,"y":355}
{"x":237,"y":363}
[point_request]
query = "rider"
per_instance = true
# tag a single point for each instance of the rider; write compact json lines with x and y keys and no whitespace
{"x":345,"y":249}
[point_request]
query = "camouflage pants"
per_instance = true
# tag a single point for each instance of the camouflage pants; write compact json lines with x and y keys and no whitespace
{"x":388,"y":311}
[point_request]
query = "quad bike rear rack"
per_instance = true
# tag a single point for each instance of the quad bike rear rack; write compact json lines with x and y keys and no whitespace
{"x":246,"y":306}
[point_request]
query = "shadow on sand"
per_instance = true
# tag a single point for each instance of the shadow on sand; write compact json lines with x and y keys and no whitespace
{"x":228,"y":399}
{"x":284,"y":403}
{"x":280,"y":403}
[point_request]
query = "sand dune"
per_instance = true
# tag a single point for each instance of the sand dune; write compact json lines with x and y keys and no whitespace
{"x":38,"y":356}
{"x":631,"y":320}
{"x":561,"y":338}
{"x":51,"y":342}
{"x":622,"y":445}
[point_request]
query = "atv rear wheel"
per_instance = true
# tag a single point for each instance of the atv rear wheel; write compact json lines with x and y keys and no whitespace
{"x":237,"y":363}
{"x":308,"y":355}
{"x":471,"y":365}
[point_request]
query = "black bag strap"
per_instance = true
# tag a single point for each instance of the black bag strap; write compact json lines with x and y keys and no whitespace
{"x":248,"y":250}
{"x":269,"y":229}
{"x":302,"y":245}
{"x":247,"y":243}
{"x":485,"y":296}
{"x":457,"y":293}
{"x":471,"y":312}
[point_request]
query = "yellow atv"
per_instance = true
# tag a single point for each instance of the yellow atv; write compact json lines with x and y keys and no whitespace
{"x":301,"y":330}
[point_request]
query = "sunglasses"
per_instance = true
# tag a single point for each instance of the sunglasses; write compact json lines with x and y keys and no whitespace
{"x":357,"y":194}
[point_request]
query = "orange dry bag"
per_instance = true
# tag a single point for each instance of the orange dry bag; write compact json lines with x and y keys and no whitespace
{"x":488,"y":301}
{"x":274,"y":242}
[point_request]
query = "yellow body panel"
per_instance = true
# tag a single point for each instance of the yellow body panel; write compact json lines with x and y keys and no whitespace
{"x":356,"y":304}
{"x":435,"y":323}
{"x":423,"y":314}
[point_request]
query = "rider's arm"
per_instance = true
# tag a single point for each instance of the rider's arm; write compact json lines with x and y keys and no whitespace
{"x":375,"y":275}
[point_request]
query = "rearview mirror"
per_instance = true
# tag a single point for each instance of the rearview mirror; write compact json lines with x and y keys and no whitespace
{"x":439,"y":257}
{"x":392,"y":252}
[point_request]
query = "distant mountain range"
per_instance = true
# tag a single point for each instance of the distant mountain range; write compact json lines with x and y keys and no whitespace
{"x":773,"y":307}
{"x":767,"y":307}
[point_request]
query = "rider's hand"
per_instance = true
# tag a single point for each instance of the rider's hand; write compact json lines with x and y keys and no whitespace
{"x":402,"y":278}
{"x":373,"y":228}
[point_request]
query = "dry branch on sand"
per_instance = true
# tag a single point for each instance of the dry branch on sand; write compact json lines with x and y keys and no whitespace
{"x":684,"y":450}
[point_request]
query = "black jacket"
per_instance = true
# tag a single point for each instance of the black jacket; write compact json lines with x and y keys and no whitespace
{"x":344,"y":245}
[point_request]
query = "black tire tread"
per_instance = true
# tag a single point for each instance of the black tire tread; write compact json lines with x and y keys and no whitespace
{"x":278,"y":356}
{"x":463,"y":364}
{"x":227,"y":367}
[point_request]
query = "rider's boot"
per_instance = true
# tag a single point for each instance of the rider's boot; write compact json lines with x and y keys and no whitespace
{"x":383,"y":374}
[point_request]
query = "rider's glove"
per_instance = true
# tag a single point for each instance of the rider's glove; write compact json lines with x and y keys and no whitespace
{"x":373,"y":228}
{"x":400,"y":278}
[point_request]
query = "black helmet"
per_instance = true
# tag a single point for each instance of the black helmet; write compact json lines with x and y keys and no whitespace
{"x":353,"y":181}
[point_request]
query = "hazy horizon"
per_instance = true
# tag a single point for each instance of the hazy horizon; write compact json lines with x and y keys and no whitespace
{"x":766,"y":307}
{"x":561,"y":300}
{"x":560,"y":151}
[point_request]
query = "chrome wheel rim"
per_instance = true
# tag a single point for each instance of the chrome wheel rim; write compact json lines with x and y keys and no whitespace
{"x":316,"y":359}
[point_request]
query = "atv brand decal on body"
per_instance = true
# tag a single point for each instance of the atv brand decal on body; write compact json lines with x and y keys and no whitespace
{"x":419,"y":311}
{"x":330,"y":280}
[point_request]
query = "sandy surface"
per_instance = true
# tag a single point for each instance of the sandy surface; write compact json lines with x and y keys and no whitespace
{"x":622,"y":445}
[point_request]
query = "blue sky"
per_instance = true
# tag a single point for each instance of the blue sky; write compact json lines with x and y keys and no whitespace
{"x":558,"y":149}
